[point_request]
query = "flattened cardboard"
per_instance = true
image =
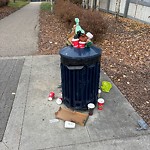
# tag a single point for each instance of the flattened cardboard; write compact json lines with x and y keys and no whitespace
{"x":73,"y":116}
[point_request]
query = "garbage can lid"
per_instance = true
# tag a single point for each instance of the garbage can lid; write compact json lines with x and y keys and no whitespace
{"x":79,"y":56}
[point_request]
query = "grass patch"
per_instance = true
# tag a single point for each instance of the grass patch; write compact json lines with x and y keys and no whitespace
{"x":46,"y":6}
{"x":17,"y":4}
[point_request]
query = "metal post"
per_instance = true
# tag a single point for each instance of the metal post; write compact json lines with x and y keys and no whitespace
{"x":92,"y":4}
{"x":51,"y":1}
{"x":83,"y":3}
{"x":86,"y":4}
{"x":97,"y":4}
{"x":126,"y":8}
{"x":108,"y":5}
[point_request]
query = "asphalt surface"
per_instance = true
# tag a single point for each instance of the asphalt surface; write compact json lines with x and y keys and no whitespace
{"x":19,"y":32}
{"x":10,"y":71}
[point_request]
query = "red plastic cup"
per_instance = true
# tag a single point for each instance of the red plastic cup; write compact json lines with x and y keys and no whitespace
{"x":82,"y":44}
{"x":51,"y":96}
{"x":100,"y":103}
{"x":75,"y":43}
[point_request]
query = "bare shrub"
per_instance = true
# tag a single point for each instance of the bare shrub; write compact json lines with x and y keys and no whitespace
{"x":78,"y":2}
{"x":91,"y":21}
{"x":66,"y":11}
{"x":3,"y":2}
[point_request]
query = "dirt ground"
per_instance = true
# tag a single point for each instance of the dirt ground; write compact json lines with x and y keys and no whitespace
{"x":125,"y":55}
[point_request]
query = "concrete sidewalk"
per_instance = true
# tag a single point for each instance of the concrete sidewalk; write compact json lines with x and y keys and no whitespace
{"x":29,"y":128}
{"x":19,"y":32}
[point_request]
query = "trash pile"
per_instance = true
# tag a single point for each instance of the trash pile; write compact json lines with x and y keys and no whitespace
{"x":72,"y":117}
{"x":74,"y":85}
{"x":77,"y":38}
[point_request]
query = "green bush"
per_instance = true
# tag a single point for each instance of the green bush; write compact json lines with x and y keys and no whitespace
{"x":45,"y":6}
{"x":18,"y":3}
{"x":90,"y":21}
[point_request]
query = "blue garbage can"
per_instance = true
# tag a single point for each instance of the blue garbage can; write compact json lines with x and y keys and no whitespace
{"x":80,"y":73}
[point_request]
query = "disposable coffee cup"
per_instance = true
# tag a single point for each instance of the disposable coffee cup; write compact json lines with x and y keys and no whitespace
{"x":59,"y":101}
{"x":91,"y":107}
{"x":100,"y":103}
{"x":51,"y":96}
{"x":89,"y":35}
{"x":75,"y":43}
{"x":82,"y":44}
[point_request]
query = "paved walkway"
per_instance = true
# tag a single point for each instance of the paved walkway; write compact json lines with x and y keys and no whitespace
{"x":19,"y":32}
{"x":29,"y":128}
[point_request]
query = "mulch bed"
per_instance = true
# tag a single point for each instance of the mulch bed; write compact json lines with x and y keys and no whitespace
{"x":125,"y":57}
{"x":6,"y":10}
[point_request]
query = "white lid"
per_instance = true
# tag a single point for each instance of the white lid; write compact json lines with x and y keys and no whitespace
{"x":99,"y":91}
{"x":82,"y":42}
{"x":101,"y":100}
{"x":91,"y":105}
{"x":75,"y":39}
{"x":59,"y":101}
{"x":69,"y":124}
{"x":50,"y":98}
{"x":89,"y":35}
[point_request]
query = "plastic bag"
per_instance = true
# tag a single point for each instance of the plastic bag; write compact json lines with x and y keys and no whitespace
{"x":106,"y":86}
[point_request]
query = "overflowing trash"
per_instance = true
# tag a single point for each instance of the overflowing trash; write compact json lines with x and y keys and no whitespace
{"x":77,"y":38}
{"x":70,"y":117}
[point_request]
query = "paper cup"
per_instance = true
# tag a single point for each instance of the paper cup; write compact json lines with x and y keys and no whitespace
{"x":59,"y":101}
{"x":75,"y":42}
{"x":91,"y":107}
{"x":89,"y":35}
{"x":100,"y":103}
{"x":82,"y":44}
{"x":51,"y":96}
